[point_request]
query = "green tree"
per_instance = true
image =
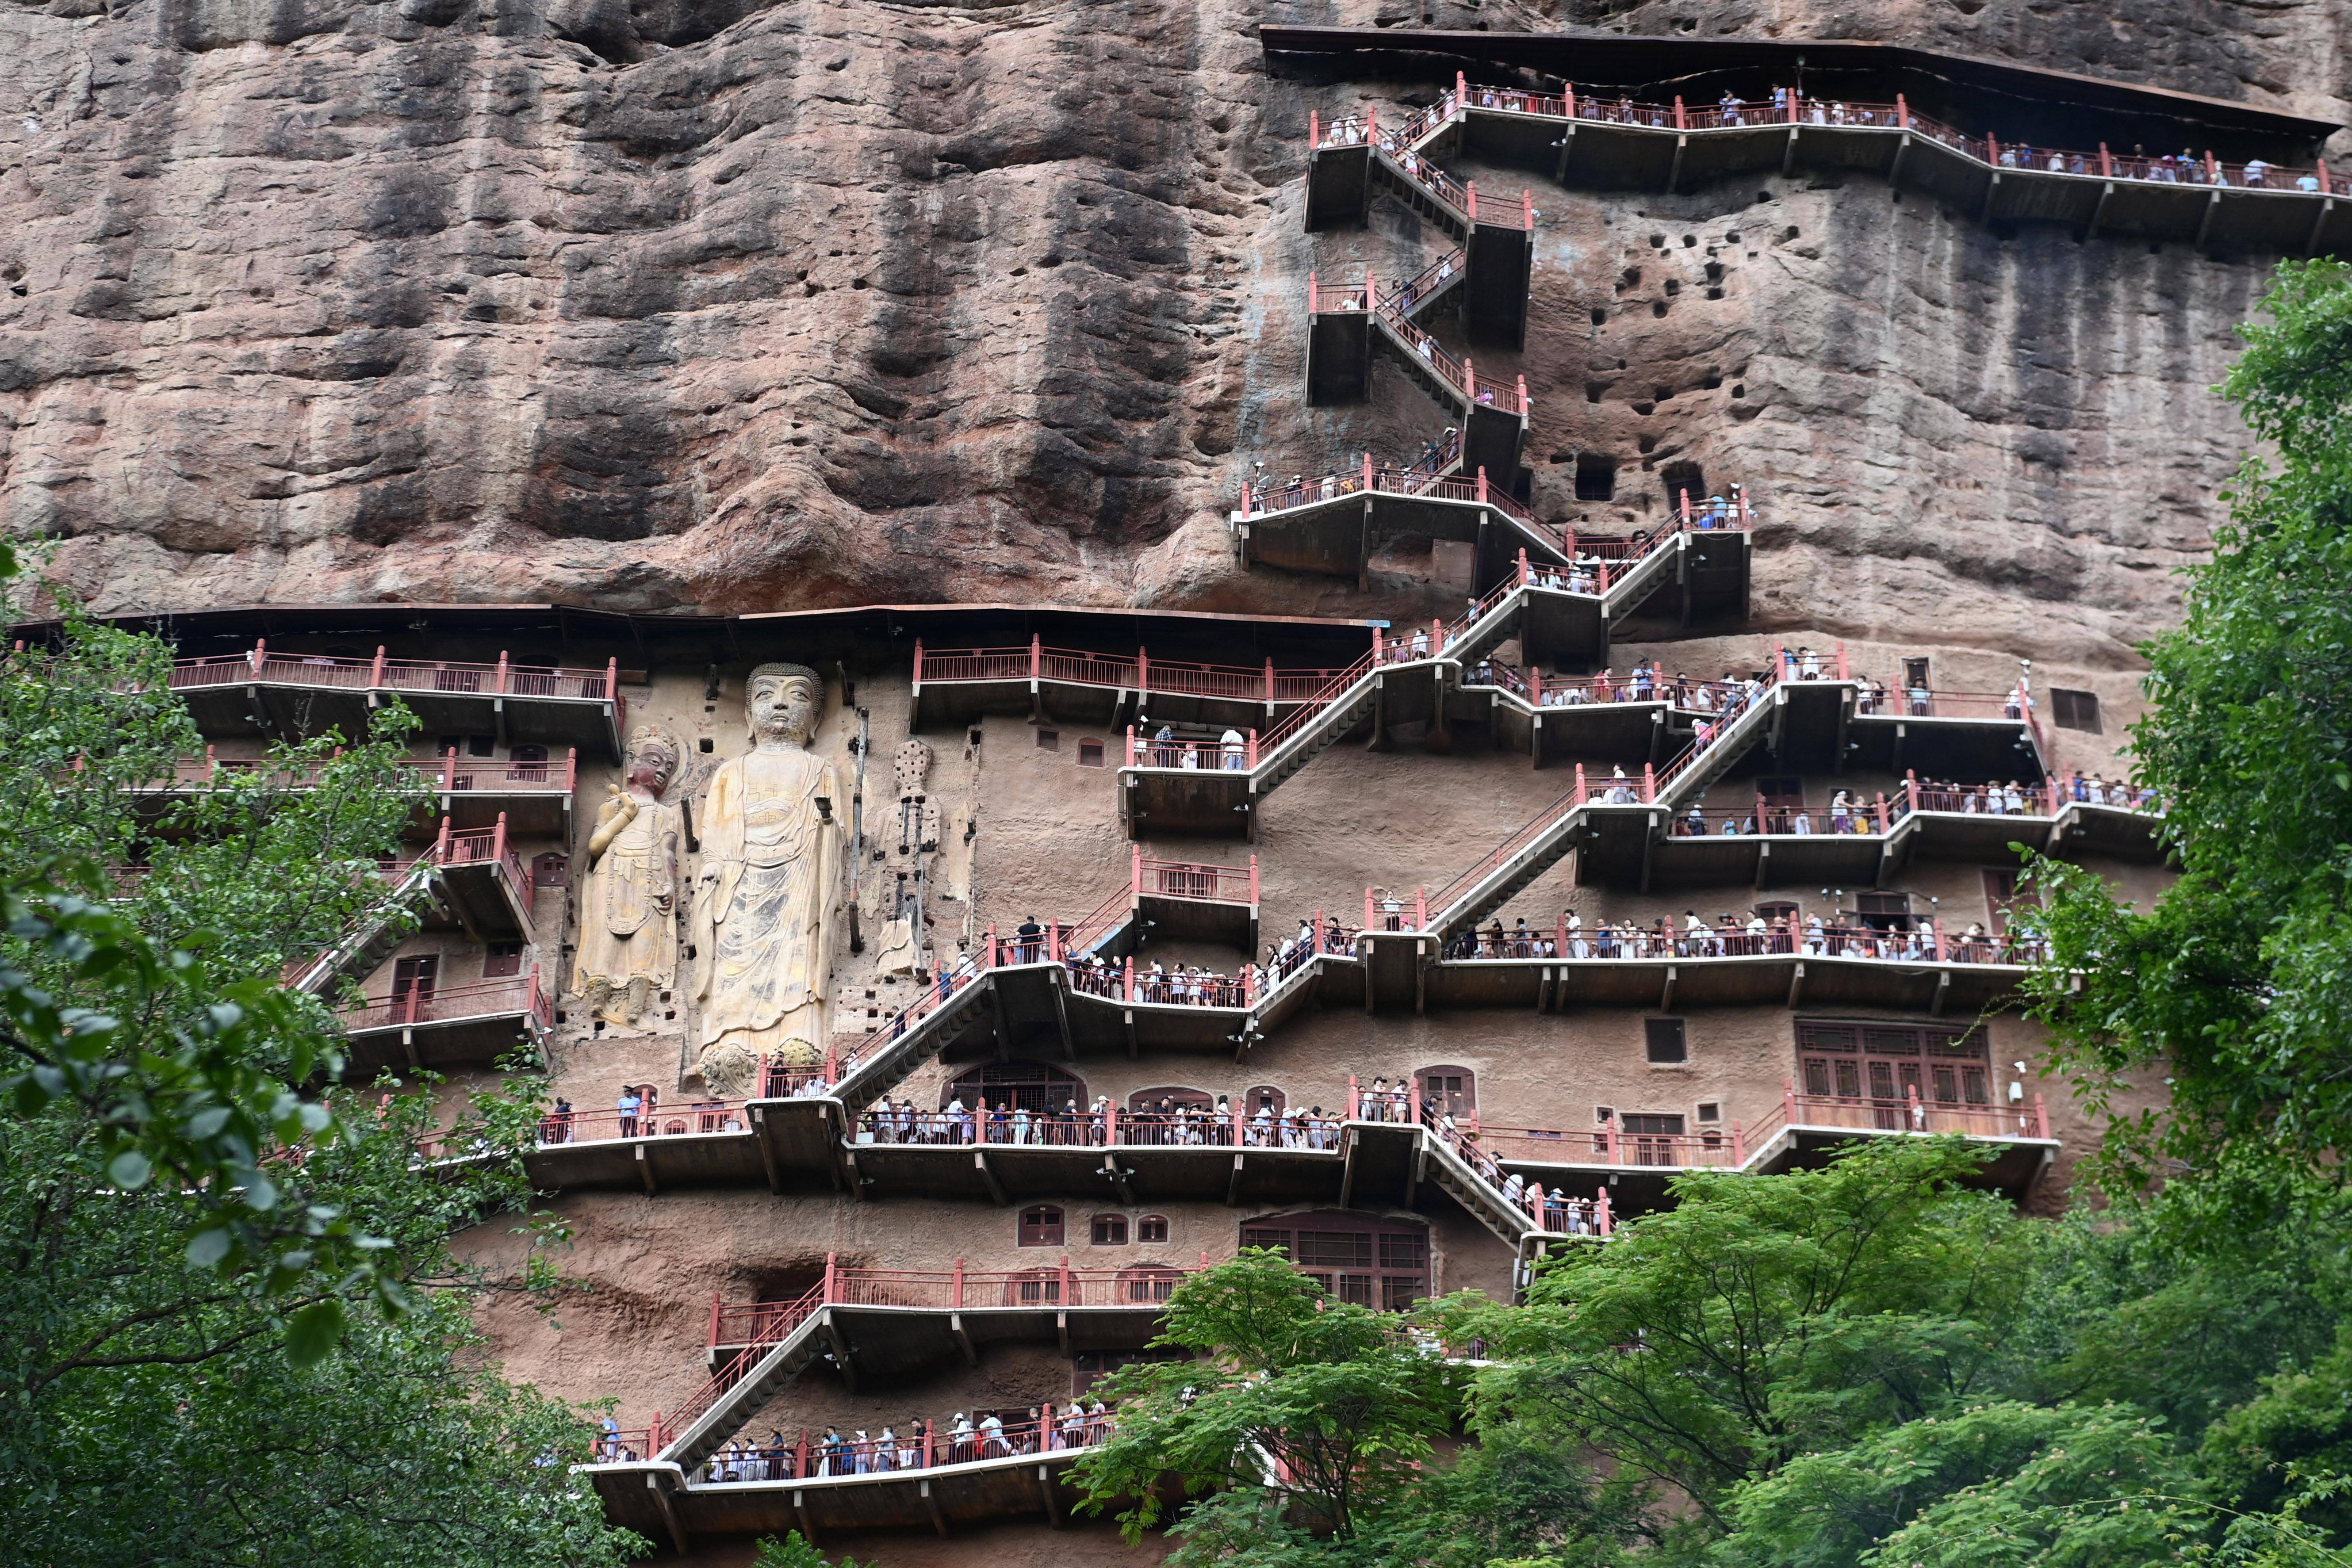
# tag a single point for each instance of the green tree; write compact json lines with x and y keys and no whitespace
{"x":1300,"y":1419}
{"x":235,"y":1331}
{"x":2235,"y":987}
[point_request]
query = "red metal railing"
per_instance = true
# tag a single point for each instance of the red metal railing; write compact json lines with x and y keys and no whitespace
{"x":1189,"y":879}
{"x":1733,"y":114}
{"x":1607,"y":1146}
{"x":1101,"y":1127}
{"x":504,"y":678}
{"x":1913,"y":1114}
{"x":480,"y":846}
{"x":927,"y":1447}
{"x":1553,"y":1212}
{"x":1193,"y":756}
{"x":422,"y":1005}
{"x":777,"y":1327}
{"x":1117,"y":671}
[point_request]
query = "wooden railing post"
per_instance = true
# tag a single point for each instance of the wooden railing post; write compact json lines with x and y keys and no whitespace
{"x":375,"y":671}
{"x":918,"y":641}
{"x":503,"y":672}
{"x":1482,"y":484}
{"x":1269,"y":686}
{"x":714,"y":1317}
{"x":1843,"y":674}
{"x":1579,"y":784}
{"x":1128,"y":984}
{"x":1252,"y":881}
{"x":1130,"y":746}
{"x":1367,"y":473}
{"x":1936,"y":929}
{"x":1523,"y":394}
{"x":1884,"y":827}
{"x":1110,"y":1124}
{"x":1368,"y":909}
{"x":1065,"y":1300}
{"x":1902,"y":112}
{"x":1142,"y":672}
{"x":1313,"y":300}
{"x":2040,"y":1115}
{"x":611,"y":678}
{"x":1682,"y":121}
{"x":832,"y":1278}
{"x":1314,"y":129}
{"x":261,"y":655}
{"x":1602,"y":1221}
{"x":1685,"y":509}
{"x":1470,"y":194}
{"x":1420,"y":909}
{"x":1747,"y":519}
{"x":1911,"y":788}
{"x":1355,"y":1100}
{"x":2326,"y":187}
{"x":2106,"y":163}
{"x":1036,"y":656}
{"x":1917,"y":1122}
{"x":498,"y":841}
{"x":959,"y":1284}
{"x":1789,"y":1105}
{"x":1649,"y":782}
{"x":1739,"y":1146}
{"x":1469,"y":381}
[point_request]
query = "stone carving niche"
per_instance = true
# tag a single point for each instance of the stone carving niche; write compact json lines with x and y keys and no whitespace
{"x":630,"y":900}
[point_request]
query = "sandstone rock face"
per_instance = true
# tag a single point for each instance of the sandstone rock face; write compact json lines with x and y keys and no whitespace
{"x":702,"y":303}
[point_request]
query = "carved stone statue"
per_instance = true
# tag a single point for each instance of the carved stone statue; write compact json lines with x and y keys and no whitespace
{"x":770,"y":856}
{"x":629,"y":900}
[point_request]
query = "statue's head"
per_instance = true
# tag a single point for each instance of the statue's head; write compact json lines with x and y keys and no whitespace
{"x":781,"y":701}
{"x":652,"y":759}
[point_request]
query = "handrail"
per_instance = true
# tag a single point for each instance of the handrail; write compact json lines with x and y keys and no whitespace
{"x":503,"y":678}
{"x":441,"y":1003}
{"x":1731,"y":114}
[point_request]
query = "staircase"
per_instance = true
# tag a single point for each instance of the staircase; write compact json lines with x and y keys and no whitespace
{"x":749,"y":1380}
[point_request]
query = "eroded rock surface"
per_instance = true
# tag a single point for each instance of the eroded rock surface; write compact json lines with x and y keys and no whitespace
{"x":711,"y":305}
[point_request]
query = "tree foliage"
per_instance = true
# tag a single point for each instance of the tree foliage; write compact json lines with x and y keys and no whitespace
{"x":232,"y":1326}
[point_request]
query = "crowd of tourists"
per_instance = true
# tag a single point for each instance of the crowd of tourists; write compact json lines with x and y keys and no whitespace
{"x":1729,"y":936}
{"x":1170,"y":1122}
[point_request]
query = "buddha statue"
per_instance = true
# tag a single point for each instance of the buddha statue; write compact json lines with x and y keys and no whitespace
{"x":629,"y":902}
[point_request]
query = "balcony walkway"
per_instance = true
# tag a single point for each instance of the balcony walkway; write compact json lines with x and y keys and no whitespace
{"x":262,"y":693}
{"x":1610,"y":141}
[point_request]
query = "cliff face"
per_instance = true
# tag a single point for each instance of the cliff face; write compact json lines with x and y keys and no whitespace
{"x":705,"y":305}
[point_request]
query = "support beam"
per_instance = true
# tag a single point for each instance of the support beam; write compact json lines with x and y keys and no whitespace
{"x":1943,"y":989}
{"x":2311,"y":244}
{"x":2205,"y":227}
{"x":767,"y":1150}
{"x":1674,"y":174}
{"x":1118,"y":1173}
{"x":995,"y":1187}
{"x":808,"y":1525}
{"x":1233,"y":1185}
{"x":1763,"y":864}
{"x":1796,"y":984}
{"x":1412,"y":1167}
{"x":1902,"y":150}
{"x":1062,"y":1331}
{"x":938,"y":1520}
{"x":1003,"y":1029}
{"x":646,"y":1172}
{"x":1127,"y":1017}
{"x":1053,"y":1501}
{"x":833,"y":1337}
{"x":856,"y":1181}
{"x":1992,"y":189}
{"x":1567,"y":145}
{"x":1348,"y":1140}
{"x":963,"y":1339}
{"x":1543,"y":989}
{"x":1061,"y":1015}
{"x":2099,"y":213}
{"x":669,"y":1512}
{"x":1666,"y":991}
{"x":1789,"y":154}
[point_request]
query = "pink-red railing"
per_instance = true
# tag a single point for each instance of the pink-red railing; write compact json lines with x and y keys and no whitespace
{"x":1194,"y":880}
{"x":1103,"y":1127}
{"x":1733,"y":114}
{"x":1193,"y":756}
{"x":1402,"y":149}
{"x":947,"y":1290}
{"x":923,"y":1448}
{"x":1913,"y":1114}
{"x":480,"y":846}
{"x":504,"y":678}
{"x":648,"y":1121}
{"x":1608,"y":1145}
{"x":1117,"y":671}
{"x":420,"y":1005}
{"x":1927,"y":942}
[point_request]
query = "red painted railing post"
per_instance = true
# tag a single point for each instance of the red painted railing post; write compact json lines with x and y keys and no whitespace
{"x":959,"y":1283}
{"x":1601,"y":1219}
{"x":714,"y":1317}
{"x":1110,"y":1124}
{"x":261,"y":655}
{"x":930,"y":1445}
{"x":1130,"y":746}
{"x":1420,"y":909}
{"x":1682,"y":121}
{"x":1128,"y":984}
{"x":1936,"y":929}
{"x":1616,"y":1149}
{"x":1527,"y":210}
{"x":375,"y":671}
{"x":1372,"y":123}
{"x":441,"y":844}
{"x":1314,"y":129}
{"x":801,"y":1457}
{"x":1534,"y":685}
{"x":2040,"y":1116}
{"x":995,"y":954}
{"x":1686,"y":511}
{"x":1269,"y":683}
{"x":2325,"y":188}
{"x":1739,"y":1146}
{"x":1469,"y":381}
{"x":1482,"y":484}
{"x":2212,"y":169}
{"x":1523,"y":394}
{"x":1036,"y":656}
{"x":1649,"y":782}
{"x":1135,"y":875}
{"x":1882,"y":825}
{"x":1252,"y":881}
{"x":918,"y":641}
{"x":1604,"y":579}
{"x":2050,"y":795}
{"x":1065,"y":1300}
{"x":1376,"y":645}
{"x":498,"y":841}
{"x":1313,"y":300}
{"x":1355,"y":1100}
{"x":1470,"y":194}
{"x":1902,"y":112}
{"x":1567,"y":101}
{"x":1522,"y":565}
{"x":1315,"y":943}
{"x":1559,"y":944}
{"x":1747,"y":519}
{"x":1142,"y":671}
{"x":1911,"y":788}
{"x":612,"y":679}
{"x":1535,"y":1204}
{"x":1367,"y":473}
{"x":504,"y":670}
{"x":1368,"y":909}
{"x":2107,"y":163}
{"x":1843,"y":674}
{"x":1992,"y":150}
{"x":1461,"y":92}
{"x":1579,"y":784}
{"x":572,"y":770}
{"x":1237,"y":1123}
{"x":832,"y":1278}
{"x":1789,"y":1105}
{"x":1253,"y":751}
{"x":1911,"y":1101}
